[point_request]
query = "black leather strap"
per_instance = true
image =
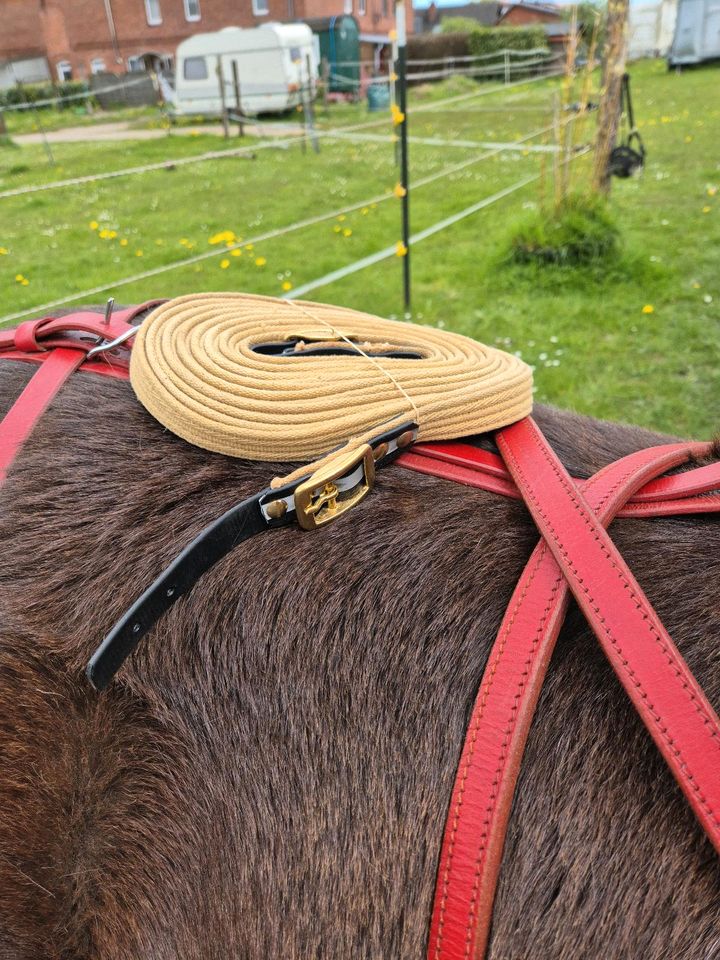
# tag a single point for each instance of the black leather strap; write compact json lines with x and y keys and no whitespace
{"x":238,"y":524}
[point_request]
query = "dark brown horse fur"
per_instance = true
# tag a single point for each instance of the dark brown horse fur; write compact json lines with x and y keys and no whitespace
{"x":268,"y":777}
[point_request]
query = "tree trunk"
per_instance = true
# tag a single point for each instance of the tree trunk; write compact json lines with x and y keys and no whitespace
{"x":614,"y":56}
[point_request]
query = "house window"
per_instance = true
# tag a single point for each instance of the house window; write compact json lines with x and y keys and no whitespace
{"x":195,"y":68}
{"x":153,"y":13}
{"x":385,"y":8}
{"x":362,"y":8}
{"x":64,"y":71}
{"x":260,"y":8}
{"x":97,"y":65}
{"x":135,"y":64}
{"x":192,"y":10}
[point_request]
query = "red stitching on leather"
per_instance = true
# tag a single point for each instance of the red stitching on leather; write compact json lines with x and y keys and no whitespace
{"x":512,"y":720}
{"x":487,"y":687}
{"x":683,"y":770}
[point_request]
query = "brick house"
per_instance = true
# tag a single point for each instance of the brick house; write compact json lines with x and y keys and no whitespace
{"x":549,"y":17}
{"x":80,"y":37}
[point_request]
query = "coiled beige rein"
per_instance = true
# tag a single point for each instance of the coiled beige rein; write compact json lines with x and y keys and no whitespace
{"x":195,"y":368}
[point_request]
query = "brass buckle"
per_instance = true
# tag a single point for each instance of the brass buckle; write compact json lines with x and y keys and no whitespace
{"x":321,"y":498}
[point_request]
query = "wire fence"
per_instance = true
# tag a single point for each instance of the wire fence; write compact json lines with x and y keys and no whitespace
{"x":272,"y":234}
{"x":83,"y":95}
{"x":353,"y":133}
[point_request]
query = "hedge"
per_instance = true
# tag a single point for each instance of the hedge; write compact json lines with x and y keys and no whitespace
{"x":494,"y":39}
{"x":43,"y":91}
{"x":478,"y":42}
{"x":433,"y":46}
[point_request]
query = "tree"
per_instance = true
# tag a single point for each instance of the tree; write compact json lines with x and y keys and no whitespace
{"x":614,"y":57}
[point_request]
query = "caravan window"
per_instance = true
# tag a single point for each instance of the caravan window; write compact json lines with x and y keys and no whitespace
{"x":295,"y":54}
{"x":195,"y":68}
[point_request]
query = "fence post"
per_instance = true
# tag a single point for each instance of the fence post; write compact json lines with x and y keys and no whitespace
{"x":325,"y":68}
{"x":507,"y":66}
{"x":308,"y":113}
{"x":221,"y":84}
{"x":401,"y":120}
{"x":238,"y":102}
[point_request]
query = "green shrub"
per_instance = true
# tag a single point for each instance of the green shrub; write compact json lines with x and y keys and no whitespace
{"x":494,"y":39}
{"x":580,"y":231}
{"x":32,"y":93}
{"x":431,"y":46}
{"x":458,"y":25}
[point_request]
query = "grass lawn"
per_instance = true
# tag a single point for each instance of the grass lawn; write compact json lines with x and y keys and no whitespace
{"x":585,"y":330}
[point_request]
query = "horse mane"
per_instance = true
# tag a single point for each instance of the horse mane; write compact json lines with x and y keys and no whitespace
{"x":269,"y":774}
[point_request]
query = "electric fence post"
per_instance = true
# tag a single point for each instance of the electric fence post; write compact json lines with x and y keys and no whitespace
{"x":400,"y":120}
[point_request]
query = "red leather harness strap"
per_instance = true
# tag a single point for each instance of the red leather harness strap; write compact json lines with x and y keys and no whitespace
{"x":20,"y":420}
{"x":60,"y":345}
{"x":501,"y":717}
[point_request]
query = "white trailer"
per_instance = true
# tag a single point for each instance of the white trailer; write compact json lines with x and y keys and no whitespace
{"x":276,"y":65}
{"x":651,"y":28}
{"x":697,"y":33}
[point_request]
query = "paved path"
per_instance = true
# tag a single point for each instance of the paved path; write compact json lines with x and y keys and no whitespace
{"x":123,"y":130}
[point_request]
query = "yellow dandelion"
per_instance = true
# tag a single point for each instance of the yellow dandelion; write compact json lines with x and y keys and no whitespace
{"x":112,"y":234}
{"x":711,"y":191}
{"x":237,"y":252}
{"x":19,"y":277}
{"x":124,"y":242}
{"x":139,"y":253}
{"x":224,"y":264}
{"x":365,"y":211}
{"x":260,"y":261}
{"x":249,"y":246}
{"x":707,"y":209}
{"x":696,"y":285}
{"x":184,"y":242}
{"x":159,"y":243}
{"x":372,"y":206}
{"x":341,"y":218}
{"x":399,"y":190}
{"x":648,"y":308}
{"x":216,"y":238}
{"x":286,"y":285}
{"x":688,"y":139}
{"x":3,"y":251}
{"x":337,"y":229}
{"x":347,"y":232}
{"x":400,"y":249}
{"x":104,"y":234}
{"x":94,"y":224}
{"x":24,"y":281}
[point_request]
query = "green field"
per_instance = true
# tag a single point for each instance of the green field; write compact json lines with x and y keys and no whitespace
{"x":639,"y":341}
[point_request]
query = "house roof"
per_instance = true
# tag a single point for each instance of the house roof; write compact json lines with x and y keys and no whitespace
{"x":540,"y":7}
{"x":486,"y":13}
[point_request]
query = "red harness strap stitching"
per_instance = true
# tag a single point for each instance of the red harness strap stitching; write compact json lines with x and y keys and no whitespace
{"x":522,"y":676}
{"x":485,"y":693}
{"x":33,"y":401}
{"x":676,"y":756}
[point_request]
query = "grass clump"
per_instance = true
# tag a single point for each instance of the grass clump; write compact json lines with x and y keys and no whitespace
{"x":580,"y":231}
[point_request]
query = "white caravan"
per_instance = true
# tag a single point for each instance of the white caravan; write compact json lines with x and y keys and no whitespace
{"x":273,"y":63}
{"x":651,"y":28}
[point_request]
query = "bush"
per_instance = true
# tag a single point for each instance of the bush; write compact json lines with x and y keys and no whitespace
{"x":458,"y":25}
{"x":494,"y":39}
{"x":580,"y":231}
{"x":431,"y":46}
{"x":31,"y":93}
